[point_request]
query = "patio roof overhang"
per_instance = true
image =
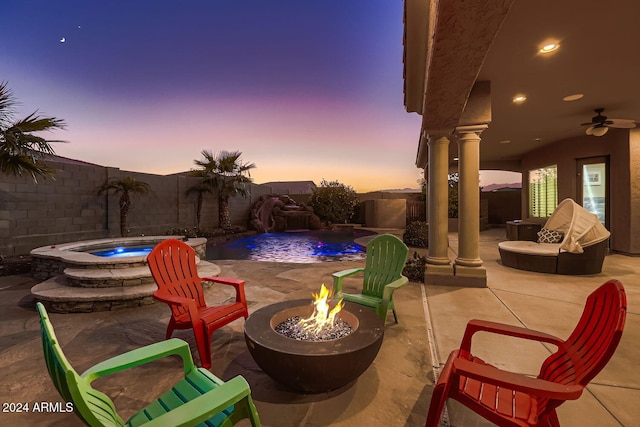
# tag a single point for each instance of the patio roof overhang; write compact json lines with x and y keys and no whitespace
{"x":445,"y":45}
{"x":450,"y":45}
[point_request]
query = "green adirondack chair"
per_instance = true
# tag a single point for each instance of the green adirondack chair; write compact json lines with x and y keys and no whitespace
{"x":199,"y":399}
{"x":386,"y":258}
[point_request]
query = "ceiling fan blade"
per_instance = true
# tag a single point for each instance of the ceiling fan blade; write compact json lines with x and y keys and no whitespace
{"x":622,"y":124}
{"x":588,"y":124}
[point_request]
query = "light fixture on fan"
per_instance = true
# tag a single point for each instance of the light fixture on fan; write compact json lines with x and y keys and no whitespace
{"x":599,"y":124}
{"x":597,"y":130}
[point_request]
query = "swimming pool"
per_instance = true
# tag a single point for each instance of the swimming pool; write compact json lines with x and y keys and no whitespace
{"x":298,"y":247}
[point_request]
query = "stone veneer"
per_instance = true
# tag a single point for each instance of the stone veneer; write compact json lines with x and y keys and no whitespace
{"x":77,"y":282}
{"x":47,"y":261}
{"x":58,"y":295}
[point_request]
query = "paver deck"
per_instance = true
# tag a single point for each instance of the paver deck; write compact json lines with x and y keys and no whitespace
{"x":394,"y":391}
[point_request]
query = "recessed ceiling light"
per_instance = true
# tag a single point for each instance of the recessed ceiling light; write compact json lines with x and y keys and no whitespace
{"x":455,"y":159}
{"x":548,"y":48}
{"x":506,"y":141}
{"x":537,"y":139}
{"x":573,"y":97}
{"x":519,"y":99}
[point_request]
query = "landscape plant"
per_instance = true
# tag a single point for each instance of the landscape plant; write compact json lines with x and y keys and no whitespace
{"x":207,"y":233}
{"x":199,"y":189}
{"x":416,"y":234}
{"x":228,"y":176}
{"x":414,"y":268}
{"x":334,"y":202}
{"x":453,"y":179}
{"x":124,"y":187}
{"x":21,"y":151}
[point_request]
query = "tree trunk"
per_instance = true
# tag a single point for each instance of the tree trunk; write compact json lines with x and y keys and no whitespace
{"x":223,"y":214}
{"x":125,"y":202}
{"x":199,"y":211}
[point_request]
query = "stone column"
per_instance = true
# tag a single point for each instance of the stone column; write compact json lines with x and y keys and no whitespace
{"x":468,"y":262}
{"x":438,"y":207}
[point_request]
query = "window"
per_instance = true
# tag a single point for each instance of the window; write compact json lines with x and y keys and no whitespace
{"x":543,"y":191}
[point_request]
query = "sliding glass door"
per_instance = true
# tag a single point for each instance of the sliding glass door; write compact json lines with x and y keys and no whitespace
{"x":593,"y":186}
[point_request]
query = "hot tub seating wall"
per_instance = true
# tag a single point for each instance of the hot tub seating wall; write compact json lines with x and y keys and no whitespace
{"x":581,"y":251}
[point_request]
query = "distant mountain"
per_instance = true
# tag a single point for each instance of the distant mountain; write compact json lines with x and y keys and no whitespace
{"x":502,"y":187}
{"x":403,"y":190}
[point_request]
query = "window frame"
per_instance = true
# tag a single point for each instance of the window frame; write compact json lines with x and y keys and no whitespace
{"x":543,"y":191}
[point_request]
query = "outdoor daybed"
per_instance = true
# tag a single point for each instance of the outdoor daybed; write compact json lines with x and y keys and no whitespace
{"x":572,"y":241}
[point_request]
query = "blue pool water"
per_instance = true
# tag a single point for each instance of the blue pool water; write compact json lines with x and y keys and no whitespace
{"x":123,"y":251}
{"x":299,"y":247}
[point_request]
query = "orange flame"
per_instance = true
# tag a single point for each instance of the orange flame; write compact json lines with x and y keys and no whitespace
{"x":322,"y":316}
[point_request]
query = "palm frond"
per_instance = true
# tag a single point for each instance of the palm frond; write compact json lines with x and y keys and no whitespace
{"x":199,"y":188}
{"x":35,"y":123}
{"x":12,"y":164}
{"x":124,"y":185}
{"x":225,"y":172}
{"x":7,"y":105}
{"x":20,"y":150}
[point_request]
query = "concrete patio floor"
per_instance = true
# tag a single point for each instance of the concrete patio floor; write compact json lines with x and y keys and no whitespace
{"x":549,"y":303}
{"x":394,"y":391}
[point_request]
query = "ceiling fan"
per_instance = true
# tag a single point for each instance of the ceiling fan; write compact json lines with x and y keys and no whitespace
{"x":599,"y":124}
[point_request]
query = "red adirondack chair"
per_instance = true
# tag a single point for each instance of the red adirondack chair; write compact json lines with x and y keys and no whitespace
{"x":173,"y":266}
{"x":510,"y":399}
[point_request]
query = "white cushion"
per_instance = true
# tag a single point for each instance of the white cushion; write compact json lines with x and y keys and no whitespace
{"x":531,"y":248}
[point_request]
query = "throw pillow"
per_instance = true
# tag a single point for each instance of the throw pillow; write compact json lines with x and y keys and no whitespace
{"x":550,"y":236}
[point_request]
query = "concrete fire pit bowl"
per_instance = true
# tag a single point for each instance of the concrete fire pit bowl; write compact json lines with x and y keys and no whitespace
{"x":313,"y":366}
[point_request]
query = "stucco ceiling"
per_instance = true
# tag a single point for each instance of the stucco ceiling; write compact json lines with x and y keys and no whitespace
{"x":598,"y":57}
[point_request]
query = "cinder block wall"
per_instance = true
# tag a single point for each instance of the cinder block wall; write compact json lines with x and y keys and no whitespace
{"x":68,"y":208}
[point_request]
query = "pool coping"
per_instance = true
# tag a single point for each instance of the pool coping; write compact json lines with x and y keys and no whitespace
{"x":67,"y":252}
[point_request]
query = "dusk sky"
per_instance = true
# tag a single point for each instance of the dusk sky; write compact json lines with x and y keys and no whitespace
{"x":306,"y":90}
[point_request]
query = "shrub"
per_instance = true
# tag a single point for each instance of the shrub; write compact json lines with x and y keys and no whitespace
{"x":414,"y":268}
{"x":195,"y":232}
{"x":16,"y":264}
{"x":416,"y":234}
{"x":334,"y":202}
{"x":454,"y":178}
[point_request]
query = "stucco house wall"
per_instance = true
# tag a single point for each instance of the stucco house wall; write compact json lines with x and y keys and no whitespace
{"x":386,"y":213}
{"x":624,"y":195}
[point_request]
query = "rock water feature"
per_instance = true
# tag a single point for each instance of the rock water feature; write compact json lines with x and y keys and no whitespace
{"x":281,"y":213}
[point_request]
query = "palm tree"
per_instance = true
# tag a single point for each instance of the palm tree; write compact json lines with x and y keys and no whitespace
{"x":20,"y":150}
{"x":226,"y":174}
{"x":199,"y":189}
{"x":124,"y":187}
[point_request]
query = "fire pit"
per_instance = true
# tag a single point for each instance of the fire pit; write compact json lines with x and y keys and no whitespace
{"x":313,"y":366}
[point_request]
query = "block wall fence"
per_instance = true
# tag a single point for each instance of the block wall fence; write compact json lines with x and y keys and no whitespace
{"x":67,"y":208}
